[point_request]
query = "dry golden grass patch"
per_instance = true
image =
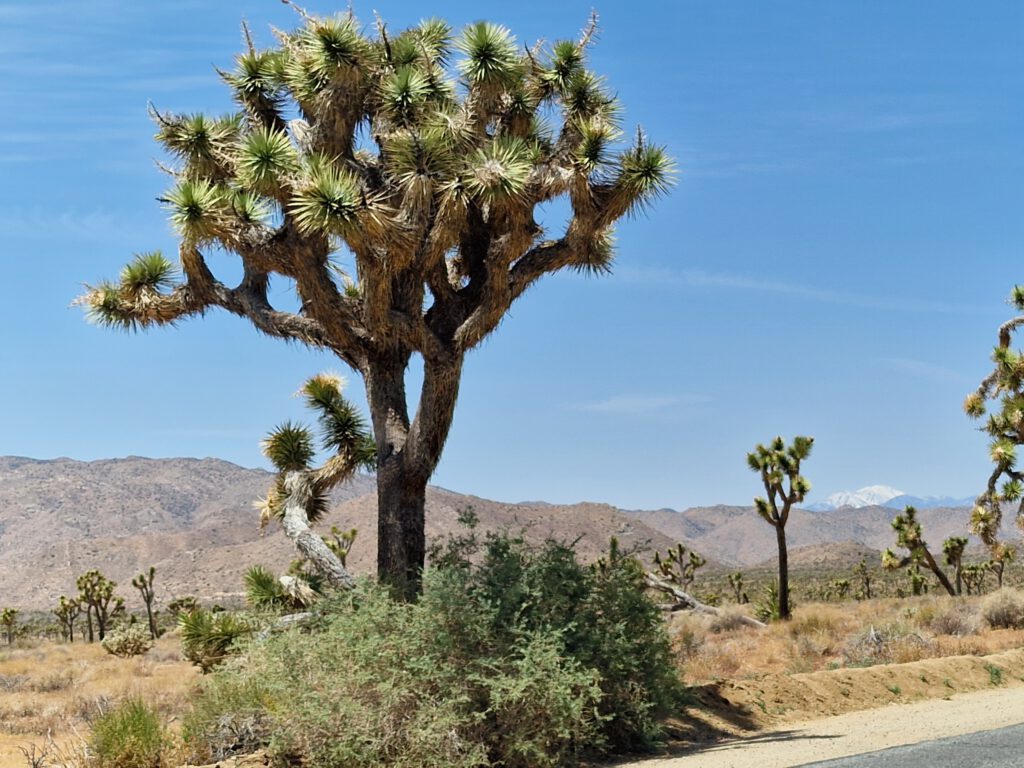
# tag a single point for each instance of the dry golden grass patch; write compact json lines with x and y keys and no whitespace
{"x":57,"y":689}
{"x":824,"y":636}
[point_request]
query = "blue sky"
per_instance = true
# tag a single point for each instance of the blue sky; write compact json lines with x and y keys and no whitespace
{"x":833,"y":261}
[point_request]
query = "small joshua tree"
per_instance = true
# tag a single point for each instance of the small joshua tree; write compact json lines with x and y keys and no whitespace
{"x":144,"y":583}
{"x":299,"y":496}
{"x":736,"y":582}
{"x":974,"y":578}
{"x":863,"y":575}
{"x":67,"y":612}
{"x":1001,"y":555}
{"x":425,"y":172}
{"x":9,"y":622}
{"x":784,"y":486}
{"x":679,"y":566}
{"x":96,"y":593}
{"x":909,"y":537}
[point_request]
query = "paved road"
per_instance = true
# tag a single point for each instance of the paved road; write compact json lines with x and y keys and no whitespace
{"x":1001,"y":748}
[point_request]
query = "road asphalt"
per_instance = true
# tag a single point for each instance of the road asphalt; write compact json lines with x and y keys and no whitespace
{"x":1001,"y":748}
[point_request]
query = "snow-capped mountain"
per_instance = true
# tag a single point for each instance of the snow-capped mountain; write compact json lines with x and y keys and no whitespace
{"x":884,"y":496}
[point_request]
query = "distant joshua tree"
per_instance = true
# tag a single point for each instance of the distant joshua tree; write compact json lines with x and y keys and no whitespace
{"x":144,"y":583}
{"x":736,"y":582}
{"x":96,"y":593}
{"x":863,"y":575}
{"x":909,"y":537}
{"x":953,"y":550}
{"x":779,"y":468}
{"x":679,"y":566}
{"x":67,"y":612}
{"x":1001,"y":555}
{"x":428,"y":173}
{"x":9,"y":622}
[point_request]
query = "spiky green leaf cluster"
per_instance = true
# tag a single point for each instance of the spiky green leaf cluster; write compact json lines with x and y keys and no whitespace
{"x":779,"y":465}
{"x":328,"y":203}
{"x":289,"y":447}
{"x":343,"y":429}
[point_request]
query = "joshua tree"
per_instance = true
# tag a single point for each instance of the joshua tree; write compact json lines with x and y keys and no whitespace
{"x":96,"y":593}
{"x":182,"y":605}
{"x":423,"y":173}
{"x":779,"y":465}
{"x":864,"y":577}
{"x":67,"y":612}
{"x":9,"y":621}
{"x":909,"y":537}
{"x":974,"y":578}
{"x":144,"y":583}
{"x":736,"y":582}
{"x":678,"y":567}
{"x":838,"y":588}
{"x":1001,"y":555}
{"x":953,"y":549}
{"x":1005,"y":427}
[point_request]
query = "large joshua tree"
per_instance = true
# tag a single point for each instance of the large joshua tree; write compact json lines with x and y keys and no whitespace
{"x":426,"y":173}
{"x":1005,"y":426}
{"x":779,"y":468}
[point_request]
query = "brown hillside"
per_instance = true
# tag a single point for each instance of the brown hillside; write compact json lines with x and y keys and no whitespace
{"x":193,"y":519}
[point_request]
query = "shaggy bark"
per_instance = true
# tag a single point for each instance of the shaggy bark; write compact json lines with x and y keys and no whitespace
{"x":299,"y":491}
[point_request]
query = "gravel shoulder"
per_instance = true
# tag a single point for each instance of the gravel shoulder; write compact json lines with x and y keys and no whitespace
{"x":792,"y":739}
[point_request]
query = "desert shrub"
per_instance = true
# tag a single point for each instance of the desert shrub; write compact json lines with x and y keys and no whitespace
{"x":947,"y":618}
{"x":1004,"y":609}
{"x":128,"y":640}
{"x":527,"y":659}
{"x":231,"y":717}
{"x":729,"y":619}
{"x":889,"y":643}
{"x":814,"y":620}
{"x":209,"y":637}
{"x":129,"y":736}
{"x":57,"y":680}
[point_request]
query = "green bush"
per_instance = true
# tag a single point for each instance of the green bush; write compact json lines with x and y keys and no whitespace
{"x":129,"y":736}
{"x":128,"y":640}
{"x":528,"y":659}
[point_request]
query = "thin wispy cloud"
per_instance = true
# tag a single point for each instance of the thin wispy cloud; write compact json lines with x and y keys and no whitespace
{"x":639,"y":403}
{"x":922,"y":369}
{"x":701,"y":279}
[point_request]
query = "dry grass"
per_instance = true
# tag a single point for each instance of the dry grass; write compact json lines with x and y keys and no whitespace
{"x":59,"y":689}
{"x":824,"y":636}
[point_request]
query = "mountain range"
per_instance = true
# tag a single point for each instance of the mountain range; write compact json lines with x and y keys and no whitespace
{"x":884,"y":496}
{"x":194,"y":521}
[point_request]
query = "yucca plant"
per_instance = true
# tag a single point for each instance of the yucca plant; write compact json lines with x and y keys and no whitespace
{"x":299,"y":496}
{"x":778,"y":465}
{"x":420,"y":156}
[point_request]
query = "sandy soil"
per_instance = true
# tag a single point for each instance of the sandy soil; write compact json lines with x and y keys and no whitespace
{"x":881,"y":707}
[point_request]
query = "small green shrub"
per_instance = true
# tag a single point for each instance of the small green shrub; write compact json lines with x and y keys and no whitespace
{"x":128,"y":640}
{"x":1004,"y":609}
{"x":129,"y":736}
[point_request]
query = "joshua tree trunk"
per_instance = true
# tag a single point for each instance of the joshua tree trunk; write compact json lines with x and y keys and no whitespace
{"x":939,"y":573}
{"x":407,"y":454}
{"x":780,"y":537}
